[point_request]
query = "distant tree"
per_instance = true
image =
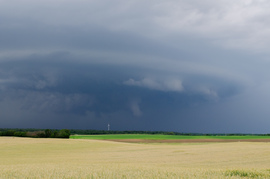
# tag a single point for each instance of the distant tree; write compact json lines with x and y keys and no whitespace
{"x":20,"y":134}
{"x":54,"y":134}
{"x":63,"y":133}
{"x":10,"y":133}
{"x":48,"y":133}
{"x":38,"y":134}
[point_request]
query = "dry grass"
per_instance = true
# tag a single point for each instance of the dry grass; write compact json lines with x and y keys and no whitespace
{"x":74,"y":158}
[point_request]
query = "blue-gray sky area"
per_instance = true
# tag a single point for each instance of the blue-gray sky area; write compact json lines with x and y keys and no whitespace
{"x":184,"y":66}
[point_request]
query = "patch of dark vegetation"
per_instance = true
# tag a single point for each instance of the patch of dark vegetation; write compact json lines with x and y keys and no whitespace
{"x":36,"y":133}
{"x":244,"y":174}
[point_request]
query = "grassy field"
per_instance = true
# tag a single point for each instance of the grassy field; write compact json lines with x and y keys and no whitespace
{"x":76,"y":158}
{"x":161,"y":137}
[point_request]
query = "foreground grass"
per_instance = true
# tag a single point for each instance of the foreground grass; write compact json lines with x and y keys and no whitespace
{"x":69,"y":158}
{"x":161,"y":137}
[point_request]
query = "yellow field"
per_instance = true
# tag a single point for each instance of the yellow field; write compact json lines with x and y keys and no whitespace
{"x":75,"y":158}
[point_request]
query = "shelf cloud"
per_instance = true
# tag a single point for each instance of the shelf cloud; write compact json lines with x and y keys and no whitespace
{"x":185,"y":66}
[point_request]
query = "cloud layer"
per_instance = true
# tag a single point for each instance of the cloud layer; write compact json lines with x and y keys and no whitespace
{"x":187,"y":66}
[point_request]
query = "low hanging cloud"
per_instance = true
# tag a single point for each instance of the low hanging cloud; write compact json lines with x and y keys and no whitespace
{"x":135,"y":108}
{"x":161,"y":85}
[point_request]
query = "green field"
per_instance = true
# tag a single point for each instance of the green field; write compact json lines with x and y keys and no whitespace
{"x":161,"y":137}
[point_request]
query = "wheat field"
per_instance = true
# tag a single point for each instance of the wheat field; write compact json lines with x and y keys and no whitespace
{"x":77,"y":158}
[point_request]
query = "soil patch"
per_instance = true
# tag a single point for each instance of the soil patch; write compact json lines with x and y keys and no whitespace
{"x":188,"y":140}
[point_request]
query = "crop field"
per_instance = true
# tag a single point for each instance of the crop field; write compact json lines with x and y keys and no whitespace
{"x":162,"y":137}
{"x":146,"y":138}
{"x":80,"y":158}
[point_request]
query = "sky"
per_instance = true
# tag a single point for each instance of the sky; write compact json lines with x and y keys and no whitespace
{"x":183,"y":66}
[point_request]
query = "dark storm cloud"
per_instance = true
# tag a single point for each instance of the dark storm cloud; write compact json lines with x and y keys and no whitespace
{"x":57,"y":92}
{"x":156,"y":65}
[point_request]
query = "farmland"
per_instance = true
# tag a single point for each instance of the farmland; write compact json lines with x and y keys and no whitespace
{"x":146,"y":138}
{"x":163,"y":137}
{"x":79,"y":158}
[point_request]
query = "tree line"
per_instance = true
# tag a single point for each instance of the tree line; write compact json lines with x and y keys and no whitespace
{"x":65,"y":133}
{"x":36,"y":133}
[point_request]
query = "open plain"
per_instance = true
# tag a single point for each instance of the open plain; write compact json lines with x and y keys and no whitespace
{"x":79,"y":158}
